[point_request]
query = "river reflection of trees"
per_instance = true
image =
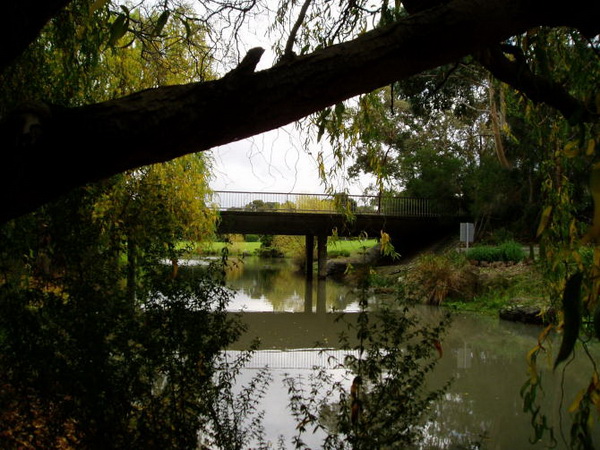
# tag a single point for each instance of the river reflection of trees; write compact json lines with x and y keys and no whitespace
{"x":279,"y":283}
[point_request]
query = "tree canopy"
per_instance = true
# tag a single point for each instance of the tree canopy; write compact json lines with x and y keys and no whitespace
{"x":70,"y":145}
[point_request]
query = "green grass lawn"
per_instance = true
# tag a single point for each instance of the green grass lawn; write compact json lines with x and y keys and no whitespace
{"x":349,"y":248}
{"x":337,"y":248}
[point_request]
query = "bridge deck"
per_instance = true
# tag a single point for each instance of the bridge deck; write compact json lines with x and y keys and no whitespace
{"x":312,"y":214}
{"x":315,"y":224}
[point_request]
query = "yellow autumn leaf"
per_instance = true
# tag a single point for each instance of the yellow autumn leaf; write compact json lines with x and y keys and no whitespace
{"x":544,"y":220}
{"x":571,"y":149}
{"x":573,"y":232}
{"x":578,"y":260}
{"x":385,"y":238}
{"x":575,"y":405}
{"x":590,"y":147}
{"x":596,"y":400}
{"x":531,"y":364}
{"x":97,"y":5}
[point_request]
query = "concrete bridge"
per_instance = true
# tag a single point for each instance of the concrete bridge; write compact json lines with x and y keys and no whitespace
{"x":410,"y":222}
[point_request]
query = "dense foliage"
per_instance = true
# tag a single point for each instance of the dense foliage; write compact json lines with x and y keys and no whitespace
{"x":86,"y":364}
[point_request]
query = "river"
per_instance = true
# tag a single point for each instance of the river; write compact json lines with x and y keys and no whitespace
{"x":483,"y":356}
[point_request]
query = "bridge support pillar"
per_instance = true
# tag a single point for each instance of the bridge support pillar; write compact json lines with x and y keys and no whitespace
{"x":308,"y":298}
{"x":310,"y":246}
{"x":322,"y":256}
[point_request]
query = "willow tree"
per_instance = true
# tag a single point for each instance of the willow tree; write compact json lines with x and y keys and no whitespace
{"x":101,"y":344}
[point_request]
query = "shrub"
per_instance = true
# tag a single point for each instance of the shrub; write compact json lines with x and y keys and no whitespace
{"x":252,"y":237}
{"x":268,"y":252}
{"x":512,"y":251}
{"x":95,"y":371}
{"x":485,"y":253}
{"x":501,"y":235}
{"x":508,"y":251}
{"x":266,"y":240}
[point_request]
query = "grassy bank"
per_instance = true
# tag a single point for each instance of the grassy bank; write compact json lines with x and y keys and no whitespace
{"x":501,"y":287}
{"x":451,"y":280}
{"x":334,"y":248}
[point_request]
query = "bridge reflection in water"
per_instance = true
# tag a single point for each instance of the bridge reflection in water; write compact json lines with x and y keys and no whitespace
{"x":298,"y":359}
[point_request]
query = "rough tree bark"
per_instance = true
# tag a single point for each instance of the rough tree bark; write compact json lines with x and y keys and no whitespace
{"x":47,"y":151}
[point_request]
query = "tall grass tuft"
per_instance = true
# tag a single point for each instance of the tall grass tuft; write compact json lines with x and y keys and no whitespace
{"x":434,"y":278}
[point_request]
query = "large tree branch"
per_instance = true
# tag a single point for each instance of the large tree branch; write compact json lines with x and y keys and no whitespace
{"x":70,"y":147}
{"x":518,"y":74}
{"x":23,"y":21}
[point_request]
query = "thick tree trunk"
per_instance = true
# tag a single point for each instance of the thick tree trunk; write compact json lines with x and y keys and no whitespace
{"x":48,"y":152}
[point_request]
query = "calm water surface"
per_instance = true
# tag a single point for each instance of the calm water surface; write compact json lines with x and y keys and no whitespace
{"x":484,"y":356}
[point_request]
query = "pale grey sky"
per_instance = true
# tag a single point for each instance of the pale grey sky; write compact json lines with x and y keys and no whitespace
{"x":274,"y":162}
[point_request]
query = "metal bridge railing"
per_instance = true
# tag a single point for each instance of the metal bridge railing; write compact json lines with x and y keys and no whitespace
{"x":323,"y":203}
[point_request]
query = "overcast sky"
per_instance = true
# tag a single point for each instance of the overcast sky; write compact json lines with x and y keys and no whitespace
{"x":274,"y":162}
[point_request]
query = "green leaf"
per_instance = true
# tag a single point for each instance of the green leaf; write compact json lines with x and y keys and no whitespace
{"x":571,"y":317}
{"x":118,"y":29}
{"x":322,"y":122}
{"x":321,"y":131}
{"x":161,"y":22}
